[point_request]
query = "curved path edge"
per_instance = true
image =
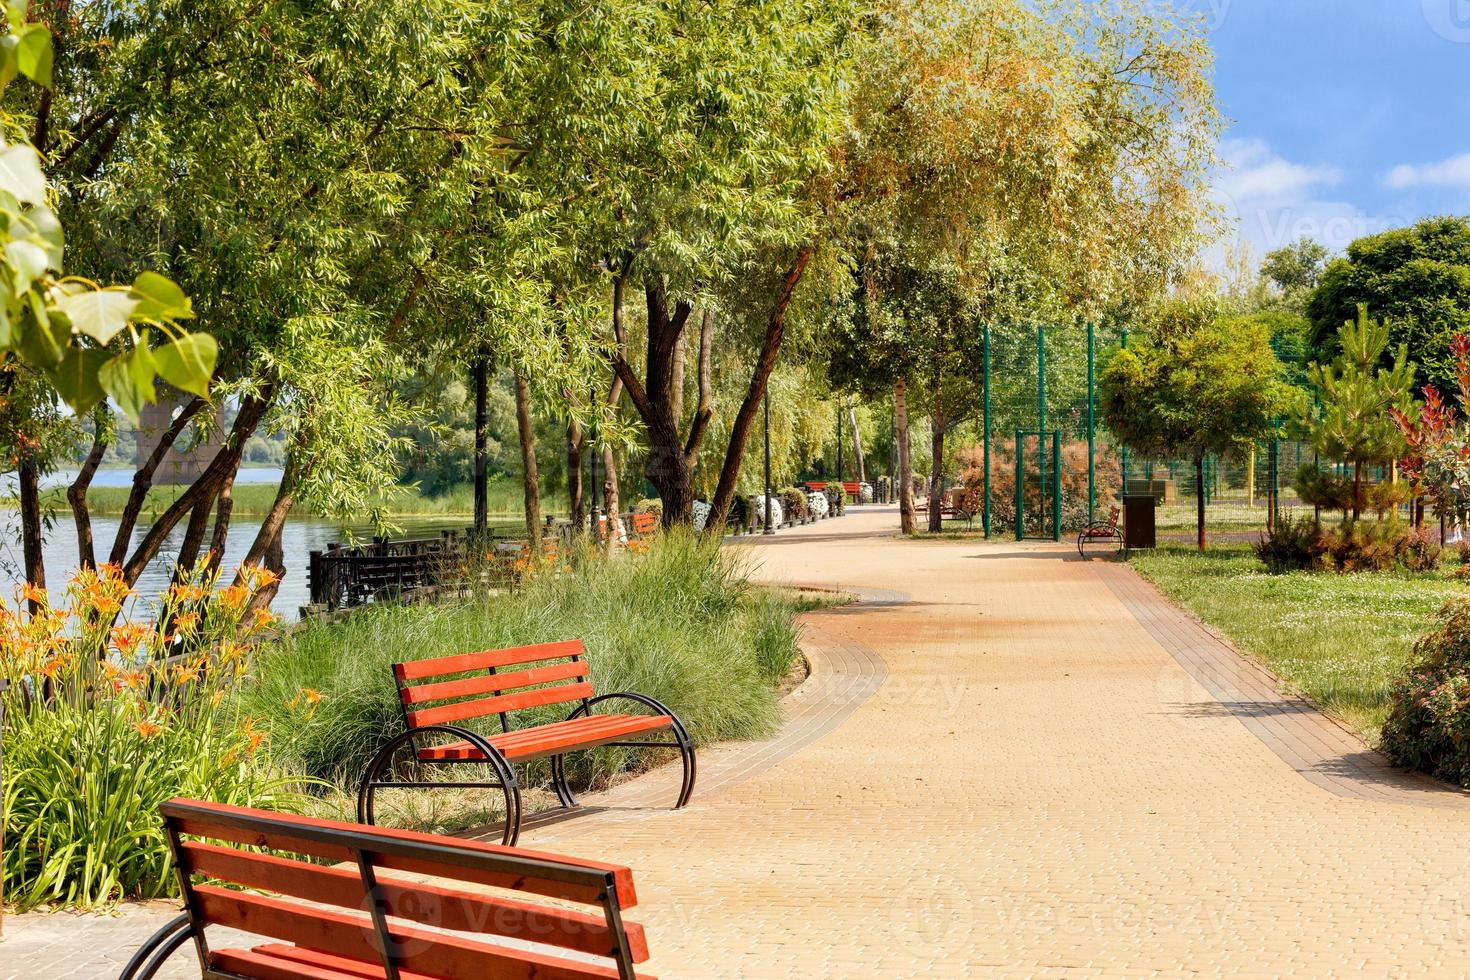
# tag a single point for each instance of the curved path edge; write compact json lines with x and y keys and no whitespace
{"x":844,"y":674}
{"x":1322,"y":751}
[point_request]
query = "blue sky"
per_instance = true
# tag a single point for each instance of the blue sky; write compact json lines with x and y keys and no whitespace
{"x":1345,"y":117}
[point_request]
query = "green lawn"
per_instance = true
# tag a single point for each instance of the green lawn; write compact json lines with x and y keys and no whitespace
{"x":1340,"y":640}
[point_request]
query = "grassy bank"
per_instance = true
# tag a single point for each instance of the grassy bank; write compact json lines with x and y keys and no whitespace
{"x":681,"y":623}
{"x":1340,"y":640}
{"x":255,"y":499}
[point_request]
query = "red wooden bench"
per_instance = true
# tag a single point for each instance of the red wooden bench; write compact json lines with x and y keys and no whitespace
{"x":645,"y":524}
{"x":850,"y":488}
{"x":1101,"y":531}
{"x":440,"y":694}
{"x":366,"y":914}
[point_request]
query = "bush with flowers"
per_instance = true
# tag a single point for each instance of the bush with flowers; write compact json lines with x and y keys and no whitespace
{"x":111,"y":709}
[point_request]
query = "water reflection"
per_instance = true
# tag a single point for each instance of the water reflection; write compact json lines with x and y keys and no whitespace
{"x":298,"y":539}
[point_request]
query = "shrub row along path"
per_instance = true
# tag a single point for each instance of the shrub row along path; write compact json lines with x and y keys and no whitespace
{"x":1012,"y":762}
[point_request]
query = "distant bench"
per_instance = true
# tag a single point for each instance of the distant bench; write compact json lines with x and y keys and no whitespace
{"x":851,"y":489}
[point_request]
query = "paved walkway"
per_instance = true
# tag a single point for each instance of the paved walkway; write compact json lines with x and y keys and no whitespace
{"x":1010,"y":762}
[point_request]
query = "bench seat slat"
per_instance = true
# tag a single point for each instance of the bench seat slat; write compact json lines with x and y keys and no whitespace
{"x":535,"y":743}
{"x":464,"y":662}
{"x":285,"y":958}
{"x":494,"y":683}
{"x":485,"y":707}
{"x":447,"y":908}
{"x":434,"y":954}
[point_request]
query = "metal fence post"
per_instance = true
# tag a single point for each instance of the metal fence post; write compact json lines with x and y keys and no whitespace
{"x":1056,"y":484}
{"x":1020,"y":485}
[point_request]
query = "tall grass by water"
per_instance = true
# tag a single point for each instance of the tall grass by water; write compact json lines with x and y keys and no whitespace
{"x":681,"y":623}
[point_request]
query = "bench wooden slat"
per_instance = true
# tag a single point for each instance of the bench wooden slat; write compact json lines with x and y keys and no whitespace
{"x":446,"y":908}
{"x":534,"y":743}
{"x":260,"y":965}
{"x":290,"y":833}
{"x":465,"y":662}
{"x":351,"y":935}
{"x":485,"y":707}
{"x":494,"y":683}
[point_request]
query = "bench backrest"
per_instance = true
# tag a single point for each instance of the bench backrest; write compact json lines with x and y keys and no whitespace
{"x":341,"y":908}
{"x":645,"y":523}
{"x":462,"y":687}
{"x":1113,"y":514}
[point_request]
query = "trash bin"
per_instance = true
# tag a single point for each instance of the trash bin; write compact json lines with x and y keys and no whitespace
{"x":1138,"y":520}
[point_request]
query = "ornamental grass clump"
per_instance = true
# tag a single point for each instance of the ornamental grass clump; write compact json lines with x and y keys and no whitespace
{"x":1428,"y":726}
{"x":107,"y":714}
{"x":677,"y":620}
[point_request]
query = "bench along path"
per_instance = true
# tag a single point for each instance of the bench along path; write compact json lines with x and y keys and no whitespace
{"x":1011,"y":774}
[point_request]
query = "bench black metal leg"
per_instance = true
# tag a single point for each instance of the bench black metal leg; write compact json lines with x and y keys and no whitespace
{"x":158,"y":948}
{"x":682,"y":740}
{"x":380,"y":774}
{"x":559,"y":782}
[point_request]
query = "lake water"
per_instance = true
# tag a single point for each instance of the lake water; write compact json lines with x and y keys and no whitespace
{"x":299,"y":538}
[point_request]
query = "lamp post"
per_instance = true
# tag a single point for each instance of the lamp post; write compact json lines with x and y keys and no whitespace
{"x":766,"y":397}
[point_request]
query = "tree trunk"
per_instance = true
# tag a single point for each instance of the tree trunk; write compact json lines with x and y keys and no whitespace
{"x":1199,"y":498}
{"x":936,"y":450}
{"x":1357,"y":486}
{"x":857,"y":445}
{"x":576,"y":493}
{"x":671,"y":459}
{"x":76,"y":494}
{"x":905,"y":461}
{"x":30,"y":521}
{"x":482,"y":425}
{"x":611,"y":495}
{"x":143,"y":478}
{"x":529,"y":477}
{"x":194,"y":533}
{"x":224,"y":509}
{"x":221,"y":468}
{"x":266,"y":550}
{"x":745,"y":417}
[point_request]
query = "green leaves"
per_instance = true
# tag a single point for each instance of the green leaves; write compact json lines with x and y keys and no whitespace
{"x":33,"y":53}
{"x":188,"y":362}
{"x":160,"y":298}
{"x":21,"y":176}
{"x":99,"y":313}
{"x":76,"y":378}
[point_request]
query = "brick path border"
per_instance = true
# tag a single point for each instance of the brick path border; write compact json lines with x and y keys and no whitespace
{"x":1317,"y":747}
{"x":845,"y":673}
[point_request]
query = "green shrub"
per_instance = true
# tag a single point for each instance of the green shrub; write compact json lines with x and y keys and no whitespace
{"x":680,"y":623}
{"x":94,"y":744}
{"x":1294,"y":544}
{"x":1428,"y":726}
{"x":1367,"y":546}
{"x":649,"y":505}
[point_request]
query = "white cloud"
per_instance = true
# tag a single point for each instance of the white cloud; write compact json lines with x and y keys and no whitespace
{"x":1454,"y":172}
{"x":1268,"y":201}
{"x":1256,"y":177}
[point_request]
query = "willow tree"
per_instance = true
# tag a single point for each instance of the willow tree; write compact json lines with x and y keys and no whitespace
{"x":991,"y":136}
{"x":310,"y":176}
